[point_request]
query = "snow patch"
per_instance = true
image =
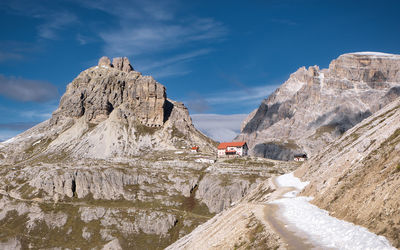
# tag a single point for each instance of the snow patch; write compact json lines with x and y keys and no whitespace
{"x":288,"y":180}
{"x":371,"y":53}
{"x":203,"y":160}
{"x":9,"y":141}
{"x":326,"y":230}
{"x":178,"y":152}
{"x":321,"y":77}
{"x":318,"y":225}
{"x":36,"y":143}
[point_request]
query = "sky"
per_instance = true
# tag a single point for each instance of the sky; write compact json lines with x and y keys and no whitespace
{"x":221,"y":58}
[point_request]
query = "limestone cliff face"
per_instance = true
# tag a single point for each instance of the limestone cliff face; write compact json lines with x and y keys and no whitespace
{"x":96,"y":92}
{"x":357,"y":177}
{"x":110,"y":110}
{"x":314,"y":107}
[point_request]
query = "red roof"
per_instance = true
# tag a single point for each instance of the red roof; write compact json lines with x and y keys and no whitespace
{"x":195,"y":148}
{"x":224,"y":145}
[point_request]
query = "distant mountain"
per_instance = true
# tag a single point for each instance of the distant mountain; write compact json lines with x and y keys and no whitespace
{"x":107,"y":111}
{"x":315,"y":107}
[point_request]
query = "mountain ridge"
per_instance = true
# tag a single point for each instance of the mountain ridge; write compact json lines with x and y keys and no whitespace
{"x":315,"y":106}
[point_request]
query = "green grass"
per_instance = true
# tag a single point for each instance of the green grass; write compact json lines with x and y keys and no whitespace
{"x":397,"y":168}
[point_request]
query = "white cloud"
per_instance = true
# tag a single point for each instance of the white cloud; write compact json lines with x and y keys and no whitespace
{"x":36,"y":115}
{"x":219,"y":127}
{"x":7,"y":134}
{"x":156,"y":37}
{"x":183,"y":57}
{"x":27,"y":90}
{"x":55,"y":22}
{"x":156,"y":33}
{"x":242,"y":95}
{"x":53,"y":18}
{"x":241,"y":99}
{"x":172,"y":66}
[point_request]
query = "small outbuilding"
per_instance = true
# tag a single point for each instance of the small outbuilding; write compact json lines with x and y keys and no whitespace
{"x":232,"y":149}
{"x":194,"y":149}
{"x":300,"y":157}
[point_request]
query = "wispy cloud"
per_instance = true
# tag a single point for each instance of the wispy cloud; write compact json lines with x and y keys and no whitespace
{"x":26,"y":90}
{"x":54,"y":19}
{"x":18,"y":126}
{"x":175,"y":65}
{"x":242,"y":98}
{"x":284,"y":21}
{"x":248,"y":96}
{"x":155,"y":33}
{"x":197,"y":103}
{"x":219,"y":127}
{"x":15,"y":50}
{"x":175,"y":59}
{"x":158,"y":37}
{"x":159,"y":10}
{"x":6,"y":56}
{"x":37,"y":115}
{"x":55,"y":22}
{"x":7,"y":134}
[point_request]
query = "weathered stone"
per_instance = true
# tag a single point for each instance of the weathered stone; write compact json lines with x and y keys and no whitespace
{"x":122,"y":64}
{"x":358,"y":177}
{"x":104,"y":62}
{"x":314,"y":107}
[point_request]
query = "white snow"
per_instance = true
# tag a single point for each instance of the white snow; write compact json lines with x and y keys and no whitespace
{"x":178,"y":152}
{"x":288,"y":180}
{"x":322,"y":229}
{"x":371,"y":53}
{"x":9,"y":140}
{"x":203,"y":160}
{"x":36,"y":142}
{"x":321,"y":77}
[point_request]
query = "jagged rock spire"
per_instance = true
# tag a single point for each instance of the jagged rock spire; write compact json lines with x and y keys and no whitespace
{"x":104,"y":61}
{"x":120,"y":63}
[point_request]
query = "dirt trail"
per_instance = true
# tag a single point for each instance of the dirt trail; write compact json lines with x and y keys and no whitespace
{"x":228,"y":230}
{"x":294,"y":240}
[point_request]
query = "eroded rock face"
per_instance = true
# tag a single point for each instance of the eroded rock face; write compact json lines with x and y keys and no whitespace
{"x":96,"y":92}
{"x":314,"y":107}
{"x":93,"y":202}
{"x":122,"y":63}
{"x":109,"y":111}
{"x":104,"y":62}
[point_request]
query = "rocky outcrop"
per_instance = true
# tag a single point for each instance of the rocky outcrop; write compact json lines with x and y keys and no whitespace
{"x":104,"y":62}
{"x":159,"y":199}
{"x":357,"y":177}
{"x":314,"y":107}
{"x":122,"y":64}
{"x":96,"y":92}
{"x":109,"y":110}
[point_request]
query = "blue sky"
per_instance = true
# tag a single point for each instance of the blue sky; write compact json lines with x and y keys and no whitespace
{"x":218,"y":57}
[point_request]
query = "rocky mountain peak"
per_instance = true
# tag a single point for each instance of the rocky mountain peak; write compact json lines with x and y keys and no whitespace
{"x":111,"y":110}
{"x":315,"y":106}
{"x":104,"y":62}
{"x":120,"y":63}
{"x":97,"y":91}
